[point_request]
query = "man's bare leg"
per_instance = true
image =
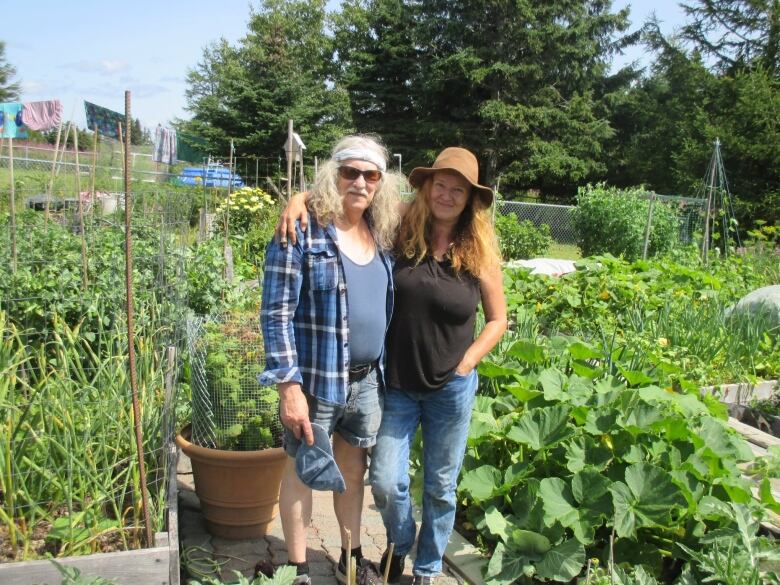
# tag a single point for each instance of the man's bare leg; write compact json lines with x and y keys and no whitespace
{"x":295,"y":512}
{"x":349,"y":504}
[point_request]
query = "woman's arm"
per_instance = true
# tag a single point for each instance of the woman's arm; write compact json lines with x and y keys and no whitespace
{"x":491,"y":285}
{"x":296,"y":210}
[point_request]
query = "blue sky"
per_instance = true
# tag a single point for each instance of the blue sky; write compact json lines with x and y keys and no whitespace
{"x":96,"y":49}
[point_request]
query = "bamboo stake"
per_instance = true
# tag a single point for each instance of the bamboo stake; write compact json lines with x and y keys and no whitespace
{"x":139,"y":445}
{"x":51,"y":178}
{"x":84,"y":268}
{"x":390,"y":551}
{"x":349,"y":558}
{"x":13,"y":204}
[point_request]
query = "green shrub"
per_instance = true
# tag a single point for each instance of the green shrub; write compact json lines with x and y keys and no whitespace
{"x":521,"y":239}
{"x":612,"y":220}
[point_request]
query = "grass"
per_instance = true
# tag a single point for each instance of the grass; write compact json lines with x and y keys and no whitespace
{"x":564,"y":251}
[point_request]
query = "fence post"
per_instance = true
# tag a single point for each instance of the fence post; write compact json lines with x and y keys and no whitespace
{"x":648,"y":225}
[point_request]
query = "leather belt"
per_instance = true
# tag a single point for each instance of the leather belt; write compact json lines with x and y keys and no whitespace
{"x":357,"y":373}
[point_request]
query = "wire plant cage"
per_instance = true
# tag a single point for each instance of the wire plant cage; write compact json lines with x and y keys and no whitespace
{"x":230,"y":409}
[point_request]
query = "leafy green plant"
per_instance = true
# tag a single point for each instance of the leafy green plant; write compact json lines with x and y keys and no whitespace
{"x":612,"y":220}
{"x":671,"y":310}
{"x":736,"y":555}
{"x":577,"y":446}
{"x":243,"y":413}
{"x":520,"y":240}
{"x":283,"y":575}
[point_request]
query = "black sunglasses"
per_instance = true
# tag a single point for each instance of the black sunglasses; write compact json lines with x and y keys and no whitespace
{"x":351,"y":174}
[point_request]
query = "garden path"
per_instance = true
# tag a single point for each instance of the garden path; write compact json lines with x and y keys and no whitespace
{"x":324,"y":545}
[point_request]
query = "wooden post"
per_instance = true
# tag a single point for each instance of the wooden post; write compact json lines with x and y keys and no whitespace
{"x":51,"y":179}
{"x":290,"y":155}
{"x":12,"y":197}
{"x":139,"y":445}
{"x":80,"y":211}
{"x":648,"y":225}
{"x":228,"y":251}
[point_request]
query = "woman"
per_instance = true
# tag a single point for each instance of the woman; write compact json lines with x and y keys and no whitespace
{"x":447,"y":262}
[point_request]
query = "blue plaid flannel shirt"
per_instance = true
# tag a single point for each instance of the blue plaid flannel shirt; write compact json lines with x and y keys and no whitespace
{"x":303,"y":314}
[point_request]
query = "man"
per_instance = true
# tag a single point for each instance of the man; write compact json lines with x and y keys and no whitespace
{"x":324,"y":340}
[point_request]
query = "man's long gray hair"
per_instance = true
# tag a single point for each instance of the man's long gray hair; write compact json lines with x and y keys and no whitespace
{"x":325,"y":201}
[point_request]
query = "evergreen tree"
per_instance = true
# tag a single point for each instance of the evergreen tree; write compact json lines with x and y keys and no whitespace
{"x":375,"y":62}
{"x":521,"y":83}
{"x":736,"y":33}
{"x":278,"y":71}
{"x":9,"y":90}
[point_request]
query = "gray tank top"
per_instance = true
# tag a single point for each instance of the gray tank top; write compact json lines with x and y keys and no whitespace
{"x":366,"y":318}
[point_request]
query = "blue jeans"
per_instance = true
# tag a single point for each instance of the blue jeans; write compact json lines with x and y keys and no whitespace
{"x":445,"y":415}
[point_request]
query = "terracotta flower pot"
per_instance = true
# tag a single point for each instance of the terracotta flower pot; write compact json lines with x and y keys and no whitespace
{"x":238,"y":490}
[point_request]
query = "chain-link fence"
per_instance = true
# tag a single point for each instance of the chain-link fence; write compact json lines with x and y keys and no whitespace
{"x":71,"y":482}
{"x":690,"y":212}
{"x":230,"y":409}
{"x":40,"y":166}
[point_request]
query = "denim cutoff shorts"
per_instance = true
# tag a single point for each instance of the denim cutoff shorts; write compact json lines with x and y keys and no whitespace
{"x":357,"y":421}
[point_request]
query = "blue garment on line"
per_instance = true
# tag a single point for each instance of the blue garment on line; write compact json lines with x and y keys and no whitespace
{"x":11,"y":125}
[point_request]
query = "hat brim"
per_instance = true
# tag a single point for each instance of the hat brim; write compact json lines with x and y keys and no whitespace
{"x":419,"y":175}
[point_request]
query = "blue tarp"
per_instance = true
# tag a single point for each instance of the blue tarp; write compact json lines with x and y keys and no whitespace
{"x":210,"y":176}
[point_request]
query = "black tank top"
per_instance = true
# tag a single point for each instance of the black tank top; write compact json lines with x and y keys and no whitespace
{"x":432,"y":325}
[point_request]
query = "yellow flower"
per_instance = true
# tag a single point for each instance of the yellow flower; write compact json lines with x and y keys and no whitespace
{"x":663,"y":342}
{"x":538,"y":307}
{"x":604,"y":295}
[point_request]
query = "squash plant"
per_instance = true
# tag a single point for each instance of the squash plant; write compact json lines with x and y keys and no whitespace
{"x":570,"y":449}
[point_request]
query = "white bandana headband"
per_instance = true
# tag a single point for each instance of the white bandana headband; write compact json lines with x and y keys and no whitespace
{"x":357,"y":153}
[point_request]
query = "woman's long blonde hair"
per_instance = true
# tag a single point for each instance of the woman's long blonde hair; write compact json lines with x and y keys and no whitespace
{"x":325,"y":201}
{"x":475,"y":246}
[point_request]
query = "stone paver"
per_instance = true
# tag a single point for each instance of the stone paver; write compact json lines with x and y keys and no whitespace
{"x":323,"y":543}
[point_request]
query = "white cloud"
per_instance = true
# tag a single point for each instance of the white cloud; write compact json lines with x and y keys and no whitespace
{"x":103,"y":67}
{"x":32,"y":87}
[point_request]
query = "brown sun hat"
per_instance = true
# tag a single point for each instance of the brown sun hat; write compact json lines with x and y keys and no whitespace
{"x":460,"y":161}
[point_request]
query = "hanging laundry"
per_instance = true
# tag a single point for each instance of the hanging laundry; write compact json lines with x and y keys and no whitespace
{"x":165,"y":144}
{"x":11,"y":125}
{"x":106,"y":120}
{"x":42,"y":115}
{"x":191,"y":148}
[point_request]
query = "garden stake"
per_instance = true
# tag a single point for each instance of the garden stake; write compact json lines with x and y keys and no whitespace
{"x":84,"y":276}
{"x":390,"y":550}
{"x":13,"y":204}
{"x":51,"y":179}
{"x":349,"y":557}
{"x":94,"y":170}
{"x":130,"y":336}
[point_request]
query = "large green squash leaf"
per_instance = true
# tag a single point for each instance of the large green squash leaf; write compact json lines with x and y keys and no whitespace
{"x":563,"y":562}
{"x":542,"y":428}
{"x":481,"y":483}
{"x":646,"y":499}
